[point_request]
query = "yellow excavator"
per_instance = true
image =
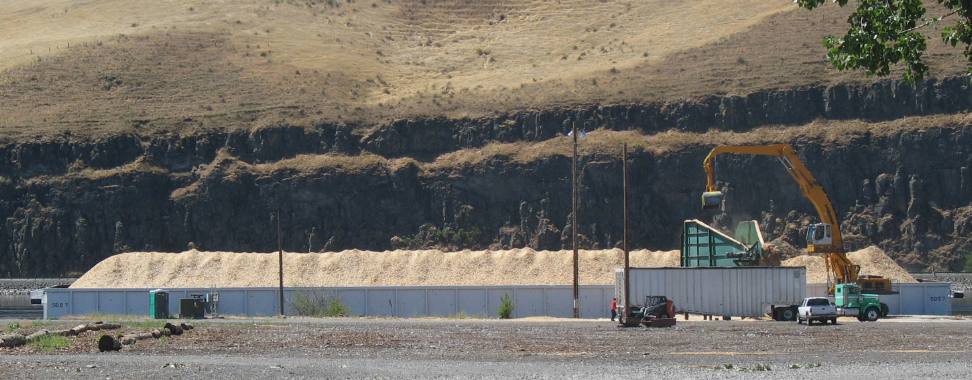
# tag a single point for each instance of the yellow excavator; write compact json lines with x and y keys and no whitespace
{"x":822,"y":238}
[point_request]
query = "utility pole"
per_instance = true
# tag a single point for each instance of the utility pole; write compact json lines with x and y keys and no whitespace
{"x":280,"y":262}
{"x":624,"y":238}
{"x":573,"y":219}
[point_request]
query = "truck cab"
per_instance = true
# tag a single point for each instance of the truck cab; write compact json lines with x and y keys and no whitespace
{"x":851,"y":301}
{"x":817,"y":309}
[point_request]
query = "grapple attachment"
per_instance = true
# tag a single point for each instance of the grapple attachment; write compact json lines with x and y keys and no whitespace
{"x":711,"y":199}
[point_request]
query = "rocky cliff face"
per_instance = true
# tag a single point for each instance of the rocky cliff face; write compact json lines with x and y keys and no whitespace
{"x":69,"y":202}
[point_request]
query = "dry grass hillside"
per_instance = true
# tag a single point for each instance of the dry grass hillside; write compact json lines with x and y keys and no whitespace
{"x":105,"y":66}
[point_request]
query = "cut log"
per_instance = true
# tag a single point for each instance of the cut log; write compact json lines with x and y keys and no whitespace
{"x":108,"y":343}
{"x":186,"y":326}
{"x":131,"y":339}
{"x":103,"y":326}
{"x":111,"y":343}
{"x":37,"y":335}
{"x":77,"y":330}
{"x":176,"y":330}
{"x":12,"y":340}
{"x":74,"y":331}
{"x":144,"y":336}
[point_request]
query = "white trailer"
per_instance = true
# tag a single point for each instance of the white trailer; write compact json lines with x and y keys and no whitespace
{"x":736,"y":291}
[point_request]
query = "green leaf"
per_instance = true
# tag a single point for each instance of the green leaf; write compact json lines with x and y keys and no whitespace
{"x":887,"y":33}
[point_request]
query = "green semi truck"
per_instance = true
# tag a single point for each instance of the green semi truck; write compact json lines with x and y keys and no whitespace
{"x":851,"y":302}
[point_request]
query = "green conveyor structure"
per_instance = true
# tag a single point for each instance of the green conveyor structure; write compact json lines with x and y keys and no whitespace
{"x":705,"y":246}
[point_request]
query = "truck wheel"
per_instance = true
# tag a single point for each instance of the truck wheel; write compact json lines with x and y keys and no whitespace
{"x":799,"y":321}
{"x":884,"y":310}
{"x":787,"y":314}
{"x":833,"y":320}
{"x":871,"y":314}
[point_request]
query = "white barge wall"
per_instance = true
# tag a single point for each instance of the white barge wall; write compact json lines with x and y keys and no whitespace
{"x":402,"y":301}
{"x":737,"y":291}
{"x":922,"y":298}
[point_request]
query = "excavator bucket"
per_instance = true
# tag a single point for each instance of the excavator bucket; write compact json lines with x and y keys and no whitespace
{"x":711,"y":199}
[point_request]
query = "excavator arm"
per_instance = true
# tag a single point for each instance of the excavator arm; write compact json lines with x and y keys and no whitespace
{"x":837,"y":263}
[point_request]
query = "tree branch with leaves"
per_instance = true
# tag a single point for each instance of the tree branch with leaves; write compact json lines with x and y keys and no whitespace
{"x":885,"y":33}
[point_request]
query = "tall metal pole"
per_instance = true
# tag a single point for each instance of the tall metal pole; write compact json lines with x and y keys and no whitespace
{"x":624,"y":238}
{"x":280,"y":263}
{"x":573,"y":220}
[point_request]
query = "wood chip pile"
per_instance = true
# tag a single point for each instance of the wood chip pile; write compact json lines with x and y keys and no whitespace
{"x":872,"y":260}
{"x":363,"y":268}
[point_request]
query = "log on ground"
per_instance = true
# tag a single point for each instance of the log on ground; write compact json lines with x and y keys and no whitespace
{"x":37,"y":335}
{"x":108,"y":343}
{"x":103,"y":326}
{"x":12,"y":340}
{"x":76,"y":330}
{"x":132,"y":338}
{"x":176,"y":330}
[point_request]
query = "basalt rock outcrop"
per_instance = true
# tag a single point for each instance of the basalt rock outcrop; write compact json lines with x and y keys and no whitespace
{"x":68,"y":202}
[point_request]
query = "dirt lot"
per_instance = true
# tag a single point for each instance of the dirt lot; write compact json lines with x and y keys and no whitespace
{"x":391,"y":348}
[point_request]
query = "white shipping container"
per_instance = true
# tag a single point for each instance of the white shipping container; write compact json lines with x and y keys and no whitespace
{"x":740,"y":291}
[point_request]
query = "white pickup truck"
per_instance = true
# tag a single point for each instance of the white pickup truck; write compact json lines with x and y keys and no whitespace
{"x":817,"y":309}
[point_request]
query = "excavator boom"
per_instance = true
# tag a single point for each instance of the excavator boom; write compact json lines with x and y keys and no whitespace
{"x":840,"y":267}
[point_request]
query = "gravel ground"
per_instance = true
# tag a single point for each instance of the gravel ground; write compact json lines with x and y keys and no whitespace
{"x":389,"y":348}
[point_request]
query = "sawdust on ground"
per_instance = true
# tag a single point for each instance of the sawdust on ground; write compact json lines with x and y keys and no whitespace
{"x":873,"y":261}
{"x":363,"y":268}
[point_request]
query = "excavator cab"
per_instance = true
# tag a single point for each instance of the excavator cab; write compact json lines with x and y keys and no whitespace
{"x":711,"y":200}
{"x":819,"y":234}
